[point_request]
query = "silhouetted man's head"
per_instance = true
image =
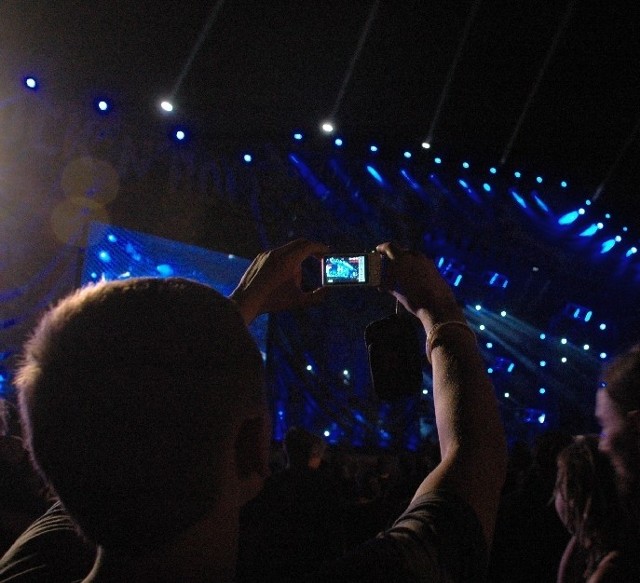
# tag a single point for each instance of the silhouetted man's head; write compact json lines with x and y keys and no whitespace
{"x":133,"y":394}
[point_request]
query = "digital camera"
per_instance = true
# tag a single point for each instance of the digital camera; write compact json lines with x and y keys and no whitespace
{"x":352,"y":269}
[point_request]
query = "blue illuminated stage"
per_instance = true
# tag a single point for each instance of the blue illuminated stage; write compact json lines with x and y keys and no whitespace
{"x":117,"y":253}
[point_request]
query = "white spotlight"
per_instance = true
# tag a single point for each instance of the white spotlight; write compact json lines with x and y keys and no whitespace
{"x":327,"y":127}
{"x":426,"y":145}
{"x":167,"y":106}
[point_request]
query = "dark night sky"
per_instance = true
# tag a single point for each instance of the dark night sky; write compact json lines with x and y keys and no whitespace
{"x":267,"y":67}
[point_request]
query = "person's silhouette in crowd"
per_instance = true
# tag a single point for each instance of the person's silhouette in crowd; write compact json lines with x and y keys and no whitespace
{"x":587,"y":502}
{"x":143,"y":406}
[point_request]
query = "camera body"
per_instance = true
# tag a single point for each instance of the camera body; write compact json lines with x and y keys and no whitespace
{"x":352,"y":269}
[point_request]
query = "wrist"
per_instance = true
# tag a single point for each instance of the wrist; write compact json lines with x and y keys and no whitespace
{"x":246,"y":310}
{"x":445,"y":313}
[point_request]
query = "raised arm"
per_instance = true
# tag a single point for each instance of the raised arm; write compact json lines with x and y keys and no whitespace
{"x":472,"y":440}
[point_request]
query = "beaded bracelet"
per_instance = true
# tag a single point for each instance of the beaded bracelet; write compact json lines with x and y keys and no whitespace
{"x":431,"y":336}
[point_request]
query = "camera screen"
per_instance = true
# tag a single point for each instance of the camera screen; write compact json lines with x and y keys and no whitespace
{"x":345,"y":270}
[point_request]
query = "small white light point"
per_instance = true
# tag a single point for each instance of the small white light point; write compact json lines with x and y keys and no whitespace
{"x":167,"y":106}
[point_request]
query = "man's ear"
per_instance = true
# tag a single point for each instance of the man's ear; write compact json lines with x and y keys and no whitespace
{"x":252,"y":449}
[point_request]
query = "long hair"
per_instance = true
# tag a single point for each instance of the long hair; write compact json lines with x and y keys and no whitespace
{"x":587,"y":481}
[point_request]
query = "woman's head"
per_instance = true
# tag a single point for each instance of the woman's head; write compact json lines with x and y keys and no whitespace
{"x":618,"y":413}
{"x":585,"y":495}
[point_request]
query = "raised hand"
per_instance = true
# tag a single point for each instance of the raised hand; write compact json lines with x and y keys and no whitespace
{"x":272,"y":281}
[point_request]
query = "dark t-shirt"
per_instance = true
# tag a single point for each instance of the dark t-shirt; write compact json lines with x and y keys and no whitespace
{"x":437,"y":540}
{"x":49,"y":551}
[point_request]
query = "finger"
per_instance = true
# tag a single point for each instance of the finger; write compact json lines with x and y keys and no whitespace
{"x":295,"y":252}
{"x":391,"y":249}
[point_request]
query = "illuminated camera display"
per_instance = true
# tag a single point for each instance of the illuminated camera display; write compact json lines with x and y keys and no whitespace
{"x":352,"y":269}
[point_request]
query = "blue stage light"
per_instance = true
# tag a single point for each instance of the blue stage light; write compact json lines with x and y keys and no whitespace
{"x":600,"y":225}
{"x":297,"y":136}
{"x":309,"y":368}
{"x":492,"y":170}
{"x":495,"y":279}
{"x":104,"y":256}
{"x":543,"y":336}
{"x":338,"y":142}
{"x":489,"y":345}
{"x":165,"y":270}
{"x":490,"y":370}
{"x":487,"y":187}
{"x":625,"y":229}
{"x":542,"y":390}
{"x":607,"y":246}
{"x":180,"y":135}
{"x":587,"y":202}
{"x":542,"y":418}
{"x":503,"y":313}
{"x":618,"y":238}
{"x":607,"y":216}
{"x":247,"y":158}
{"x":407,"y":154}
{"x":371,"y":170}
{"x":478,"y":307}
{"x":519,"y":199}
{"x":632,"y":251}
{"x":410,"y":180}
{"x":482,"y":327}
{"x":457,"y":280}
{"x":568,"y":218}
{"x":564,"y":184}
{"x":603,"y":326}
{"x":543,"y":363}
{"x":465,"y":165}
{"x":438,"y":160}
{"x":111,"y":238}
{"x":539,"y":179}
{"x":511,"y":367}
{"x":541,"y":203}
{"x":517,"y":174}
{"x":102,"y":105}
{"x":373,"y":148}
{"x":463,"y":183}
{"x":31,"y":83}
{"x":603,"y":355}
{"x":590,"y":231}
{"x":581,"y":211}
{"x":586,"y":347}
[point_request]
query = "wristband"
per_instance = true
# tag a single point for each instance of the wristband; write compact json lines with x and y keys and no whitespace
{"x":433,"y":333}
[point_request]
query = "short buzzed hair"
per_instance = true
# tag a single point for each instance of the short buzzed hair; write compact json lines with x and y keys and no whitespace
{"x":128,"y":392}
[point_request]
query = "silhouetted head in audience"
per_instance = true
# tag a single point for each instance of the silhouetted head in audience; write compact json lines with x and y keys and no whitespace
{"x":303,"y":449}
{"x":586,"y":496}
{"x":618,"y":413}
{"x":144,"y":407}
